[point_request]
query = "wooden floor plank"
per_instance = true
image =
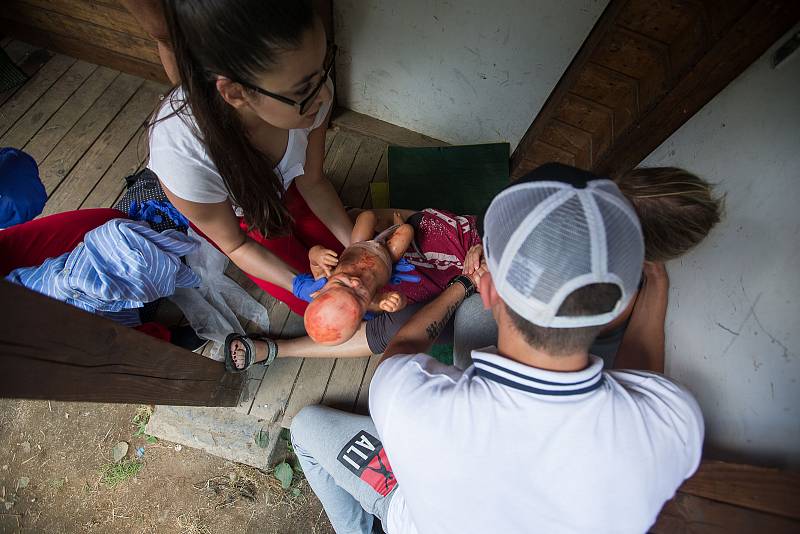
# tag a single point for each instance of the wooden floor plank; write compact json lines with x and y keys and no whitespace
{"x":309,"y":387}
{"x":248,"y":396}
{"x":112,"y":184}
{"x":29,"y":93}
{"x":362,"y":399}
{"x":361,"y":173}
{"x":93,"y":165}
{"x":275,"y":392}
{"x":381,"y":178}
{"x":73,"y":109}
{"x":48,"y":104}
{"x":340,"y":158}
{"x":348,"y":373}
{"x":314,"y":373}
{"x":330,"y":135}
{"x":345,"y":383}
{"x":86,"y":130}
{"x":278,"y":381}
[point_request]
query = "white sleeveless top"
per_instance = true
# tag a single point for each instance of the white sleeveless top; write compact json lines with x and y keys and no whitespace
{"x":183,"y":165}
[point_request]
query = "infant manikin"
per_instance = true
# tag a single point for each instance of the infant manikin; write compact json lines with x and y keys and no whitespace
{"x":355,"y":280}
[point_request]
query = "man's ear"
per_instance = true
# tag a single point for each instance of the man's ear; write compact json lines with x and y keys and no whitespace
{"x":487,"y":291}
{"x":232,"y":92}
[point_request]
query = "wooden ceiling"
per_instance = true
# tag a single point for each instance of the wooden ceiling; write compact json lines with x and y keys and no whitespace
{"x":645,"y":68}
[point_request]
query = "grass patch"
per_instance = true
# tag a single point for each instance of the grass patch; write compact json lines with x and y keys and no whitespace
{"x":113,"y":474}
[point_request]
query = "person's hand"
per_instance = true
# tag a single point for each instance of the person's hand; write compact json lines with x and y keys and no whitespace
{"x":401,"y":272}
{"x":392,"y":301}
{"x":304,"y":286}
{"x":476,"y":275}
{"x":473,"y":260}
{"x":324,"y":259}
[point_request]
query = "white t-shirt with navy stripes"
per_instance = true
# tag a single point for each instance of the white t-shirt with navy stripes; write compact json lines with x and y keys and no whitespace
{"x":182,"y":163}
{"x":504,"y":447}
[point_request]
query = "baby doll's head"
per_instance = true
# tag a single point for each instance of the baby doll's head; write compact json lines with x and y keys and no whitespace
{"x":335,"y":314}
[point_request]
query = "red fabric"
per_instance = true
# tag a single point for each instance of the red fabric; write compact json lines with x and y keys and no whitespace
{"x":307,"y":231}
{"x":30,"y":243}
{"x":444,"y":239}
{"x":156,"y":330}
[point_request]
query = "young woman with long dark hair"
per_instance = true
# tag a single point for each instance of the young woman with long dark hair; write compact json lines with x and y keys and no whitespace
{"x":239,"y":145}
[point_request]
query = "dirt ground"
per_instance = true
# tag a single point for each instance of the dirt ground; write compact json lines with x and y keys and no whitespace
{"x":52,"y":456}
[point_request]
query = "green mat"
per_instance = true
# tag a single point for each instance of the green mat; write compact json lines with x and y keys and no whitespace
{"x":10,"y":75}
{"x":462,"y":179}
{"x":443,"y":353}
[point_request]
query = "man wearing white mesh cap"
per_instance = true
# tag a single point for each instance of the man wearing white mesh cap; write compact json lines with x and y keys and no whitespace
{"x":534,"y":436}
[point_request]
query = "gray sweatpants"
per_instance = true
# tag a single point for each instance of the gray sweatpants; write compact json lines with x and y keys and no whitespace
{"x":473,"y":328}
{"x":346,"y":466}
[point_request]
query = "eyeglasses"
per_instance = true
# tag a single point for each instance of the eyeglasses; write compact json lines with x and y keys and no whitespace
{"x":303,"y":104}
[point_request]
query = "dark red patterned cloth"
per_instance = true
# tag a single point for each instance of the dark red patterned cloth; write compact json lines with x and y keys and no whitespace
{"x":441,"y":242}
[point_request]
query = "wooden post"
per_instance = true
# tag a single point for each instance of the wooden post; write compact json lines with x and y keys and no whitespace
{"x":646,"y":67}
{"x":51,"y":350}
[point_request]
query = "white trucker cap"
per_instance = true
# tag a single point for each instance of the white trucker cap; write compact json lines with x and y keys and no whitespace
{"x":545,"y":239}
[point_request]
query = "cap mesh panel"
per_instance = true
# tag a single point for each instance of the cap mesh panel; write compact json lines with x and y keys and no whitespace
{"x":559,"y":249}
{"x":505,"y":216}
{"x":625,"y":256}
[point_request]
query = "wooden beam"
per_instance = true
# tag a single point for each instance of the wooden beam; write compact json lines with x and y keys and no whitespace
{"x":378,"y":129}
{"x":646,"y":67}
{"x":758,"y":488}
{"x":75,"y":46}
{"x":763,"y":24}
{"x":51,"y":350}
{"x":563,"y":87}
{"x":694,"y":515}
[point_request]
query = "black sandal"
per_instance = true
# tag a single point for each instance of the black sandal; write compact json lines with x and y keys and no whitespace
{"x":249,"y":352}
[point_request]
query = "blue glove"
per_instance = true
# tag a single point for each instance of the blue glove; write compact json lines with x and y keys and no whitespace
{"x":304,"y":284}
{"x":400,"y":273}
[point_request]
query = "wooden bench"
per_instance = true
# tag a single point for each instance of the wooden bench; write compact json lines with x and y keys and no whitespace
{"x":734,"y":498}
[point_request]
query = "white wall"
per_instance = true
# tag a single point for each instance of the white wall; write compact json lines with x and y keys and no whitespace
{"x":466,"y":71}
{"x":733,"y":328}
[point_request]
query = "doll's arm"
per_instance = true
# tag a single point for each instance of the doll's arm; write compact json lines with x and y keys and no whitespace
{"x":322,"y":261}
{"x":388,"y":301}
{"x":643,"y":343}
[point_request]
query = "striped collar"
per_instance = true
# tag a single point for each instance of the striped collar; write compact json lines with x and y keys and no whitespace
{"x":491,"y":366}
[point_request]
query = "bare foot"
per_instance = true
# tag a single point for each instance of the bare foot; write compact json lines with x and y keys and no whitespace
{"x":238,"y":351}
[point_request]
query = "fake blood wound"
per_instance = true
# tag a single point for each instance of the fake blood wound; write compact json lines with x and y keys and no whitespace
{"x":333,"y":317}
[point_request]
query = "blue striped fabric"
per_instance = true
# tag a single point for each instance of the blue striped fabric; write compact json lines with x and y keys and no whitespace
{"x":120,"y":265}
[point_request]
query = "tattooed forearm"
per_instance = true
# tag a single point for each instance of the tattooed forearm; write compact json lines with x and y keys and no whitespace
{"x":435,"y":328}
